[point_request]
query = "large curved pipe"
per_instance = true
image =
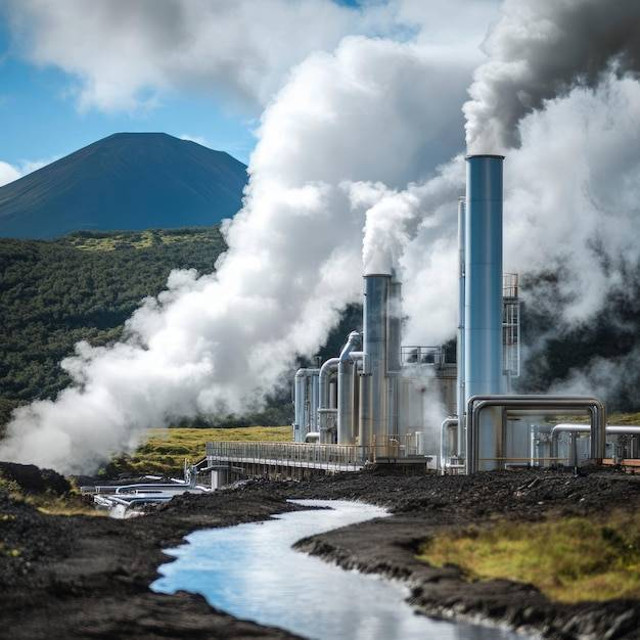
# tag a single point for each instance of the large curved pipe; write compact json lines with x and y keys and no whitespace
{"x":346,"y":375}
{"x":614,"y":430}
{"x":476,"y":404}
{"x":329,"y":367}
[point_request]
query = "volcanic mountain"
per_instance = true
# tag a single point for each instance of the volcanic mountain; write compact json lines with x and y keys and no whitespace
{"x":126,"y":181}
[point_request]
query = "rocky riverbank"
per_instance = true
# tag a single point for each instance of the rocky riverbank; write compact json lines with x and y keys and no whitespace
{"x":88,"y":577}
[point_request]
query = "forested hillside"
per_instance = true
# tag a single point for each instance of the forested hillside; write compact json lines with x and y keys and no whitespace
{"x":83,"y":287}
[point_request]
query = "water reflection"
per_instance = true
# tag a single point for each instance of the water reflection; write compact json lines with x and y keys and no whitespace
{"x":252,"y":572}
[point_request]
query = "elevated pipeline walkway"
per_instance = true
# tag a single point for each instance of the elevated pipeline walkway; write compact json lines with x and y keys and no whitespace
{"x":298,"y":460}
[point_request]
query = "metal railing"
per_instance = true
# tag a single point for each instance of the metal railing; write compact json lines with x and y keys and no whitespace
{"x":420,"y":354}
{"x":335,"y":457}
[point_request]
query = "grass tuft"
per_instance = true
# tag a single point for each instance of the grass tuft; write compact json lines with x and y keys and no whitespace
{"x":570,"y":560}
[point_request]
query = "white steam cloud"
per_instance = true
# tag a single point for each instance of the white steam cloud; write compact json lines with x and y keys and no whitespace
{"x":363,"y":138}
{"x":220,"y":342}
{"x":540,"y":49}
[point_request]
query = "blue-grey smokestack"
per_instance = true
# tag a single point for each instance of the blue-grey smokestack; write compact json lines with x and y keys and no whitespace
{"x":483,"y":294}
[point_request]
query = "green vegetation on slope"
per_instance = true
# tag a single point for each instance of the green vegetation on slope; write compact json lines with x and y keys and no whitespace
{"x":569,"y":560}
{"x":165,"y":450}
{"x":81,"y":287}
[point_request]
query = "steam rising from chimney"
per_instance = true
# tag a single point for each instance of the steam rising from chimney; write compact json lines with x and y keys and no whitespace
{"x":541,"y":49}
{"x":363,"y":138}
{"x":220,"y":342}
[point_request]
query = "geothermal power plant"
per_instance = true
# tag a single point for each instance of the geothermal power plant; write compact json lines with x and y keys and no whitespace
{"x":379,"y":401}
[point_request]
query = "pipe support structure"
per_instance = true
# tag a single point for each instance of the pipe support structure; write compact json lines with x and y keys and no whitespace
{"x":545,"y":404}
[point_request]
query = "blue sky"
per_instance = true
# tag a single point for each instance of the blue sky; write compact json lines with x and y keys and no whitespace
{"x":72,"y":72}
{"x":40,"y":120}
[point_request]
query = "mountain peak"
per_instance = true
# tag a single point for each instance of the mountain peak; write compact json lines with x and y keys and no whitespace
{"x":124,"y":181}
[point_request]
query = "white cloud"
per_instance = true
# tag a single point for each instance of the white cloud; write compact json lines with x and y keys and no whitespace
{"x":123,"y":54}
{"x":198,"y":139}
{"x":8,"y":173}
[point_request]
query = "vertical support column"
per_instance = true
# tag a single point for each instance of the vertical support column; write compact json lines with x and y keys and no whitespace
{"x":483,"y":297}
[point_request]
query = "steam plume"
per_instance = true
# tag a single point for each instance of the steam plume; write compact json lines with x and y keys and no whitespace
{"x":219,"y":342}
{"x":539,"y":50}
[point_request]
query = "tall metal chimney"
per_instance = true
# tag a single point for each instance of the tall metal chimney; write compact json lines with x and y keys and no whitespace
{"x":483,"y":296}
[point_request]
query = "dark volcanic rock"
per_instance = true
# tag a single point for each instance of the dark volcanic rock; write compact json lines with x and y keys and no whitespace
{"x":32,"y":479}
{"x":87,"y":577}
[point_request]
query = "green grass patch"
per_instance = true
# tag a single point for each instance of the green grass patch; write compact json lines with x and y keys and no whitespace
{"x":569,"y":560}
{"x":165,"y":450}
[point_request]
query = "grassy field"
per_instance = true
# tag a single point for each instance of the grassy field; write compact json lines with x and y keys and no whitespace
{"x":569,"y":560}
{"x":165,"y":450}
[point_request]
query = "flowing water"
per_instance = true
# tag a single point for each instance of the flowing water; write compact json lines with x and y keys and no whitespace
{"x":252,"y":572}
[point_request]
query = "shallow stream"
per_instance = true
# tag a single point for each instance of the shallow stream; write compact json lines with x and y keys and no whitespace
{"x":252,"y":572}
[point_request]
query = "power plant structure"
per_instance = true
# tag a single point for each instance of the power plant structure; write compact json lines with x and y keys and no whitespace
{"x":381,"y":402}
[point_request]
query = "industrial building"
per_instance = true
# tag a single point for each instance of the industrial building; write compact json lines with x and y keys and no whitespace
{"x":381,"y":402}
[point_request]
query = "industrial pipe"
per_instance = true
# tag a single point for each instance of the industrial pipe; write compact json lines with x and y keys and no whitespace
{"x":328,"y":368}
{"x":305,"y":403}
{"x":476,"y":405}
{"x":346,"y":377}
{"x":614,"y":430}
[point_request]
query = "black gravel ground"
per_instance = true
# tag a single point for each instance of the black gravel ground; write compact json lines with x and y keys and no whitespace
{"x":88,"y":577}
